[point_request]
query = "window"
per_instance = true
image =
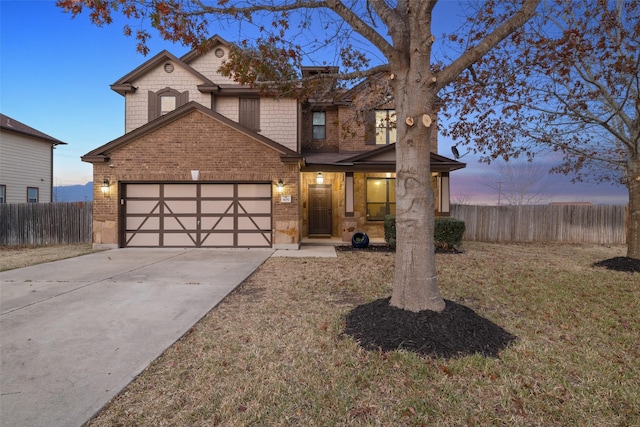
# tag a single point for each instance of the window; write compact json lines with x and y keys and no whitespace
{"x":165,"y":101}
{"x":381,"y":198}
{"x":319,"y":125}
{"x":167,"y":104}
{"x":32,"y":194}
{"x":3,"y":194}
{"x":250,"y":113}
{"x":386,"y":129}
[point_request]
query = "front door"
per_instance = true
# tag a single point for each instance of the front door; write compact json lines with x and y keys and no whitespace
{"x":320,"y":209}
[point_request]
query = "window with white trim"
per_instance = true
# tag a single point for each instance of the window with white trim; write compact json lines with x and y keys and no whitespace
{"x":32,"y":194}
{"x":319,"y":125}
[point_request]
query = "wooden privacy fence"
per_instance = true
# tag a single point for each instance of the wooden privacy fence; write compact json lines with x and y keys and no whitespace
{"x":559,"y":223}
{"x":45,"y":223}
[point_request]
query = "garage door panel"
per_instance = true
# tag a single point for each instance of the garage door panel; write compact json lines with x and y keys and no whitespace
{"x":181,"y":206}
{"x":142,"y":206}
{"x":143,"y":239}
{"x":254,"y":223}
{"x":218,"y":240}
{"x":143,"y":190}
{"x":255,"y":206}
{"x":216,"y":206}
{"x":181,"y":190}
{"x":180,"y":239}
{"x":197,"y":215}
{"x":181,"y":223}
{"x":217,"y":223}
{"x":217,"y":190}
{"x":142,"y":223}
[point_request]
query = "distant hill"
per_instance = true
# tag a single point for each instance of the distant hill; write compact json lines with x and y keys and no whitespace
{"x":73,"y":193}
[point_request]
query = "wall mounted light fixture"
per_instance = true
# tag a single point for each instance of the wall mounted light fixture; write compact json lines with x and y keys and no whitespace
{"x":195,"y":175}
{"x":319,"y":178}
{"x":280,"y":186}
{"x":105,"y":186}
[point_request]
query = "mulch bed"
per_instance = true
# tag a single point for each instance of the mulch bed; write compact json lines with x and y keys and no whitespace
{"x":620,"y":263}
{"x":456,"y":331}
{"x":387,"y":248}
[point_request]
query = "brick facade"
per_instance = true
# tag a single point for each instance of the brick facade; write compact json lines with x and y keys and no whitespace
{"x":195,"y":142}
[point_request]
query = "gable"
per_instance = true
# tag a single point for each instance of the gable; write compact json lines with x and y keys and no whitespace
{"x":193,"y":135}
{"x":162,"y":62}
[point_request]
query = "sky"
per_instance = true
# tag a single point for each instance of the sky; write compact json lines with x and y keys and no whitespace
{"x":56,"y":72}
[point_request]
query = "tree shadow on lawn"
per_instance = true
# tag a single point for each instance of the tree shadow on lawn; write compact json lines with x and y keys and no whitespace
{"x":455,"y":332}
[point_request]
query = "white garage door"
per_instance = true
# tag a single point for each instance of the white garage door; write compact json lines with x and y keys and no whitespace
{"x":220,"y":215}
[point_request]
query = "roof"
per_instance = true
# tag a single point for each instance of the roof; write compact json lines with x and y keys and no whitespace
{"x":214,"y":41}
{"x":125,"y":83}
{"x":102,"y":154}
{"x":7,"y":123}
{"x":379,"y":159}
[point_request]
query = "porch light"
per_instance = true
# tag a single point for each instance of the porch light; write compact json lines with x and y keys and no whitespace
{"x":105,"y":186}
{"x":319,"y":178}
{"x":280,"y":186}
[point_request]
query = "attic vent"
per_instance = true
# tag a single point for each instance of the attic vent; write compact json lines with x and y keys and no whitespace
{"x":168,"y":67}
{"x":219,"y":52}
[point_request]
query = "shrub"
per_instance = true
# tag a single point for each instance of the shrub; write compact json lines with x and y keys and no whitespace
{"x":390,"y":230}
{"x":448,"y":232}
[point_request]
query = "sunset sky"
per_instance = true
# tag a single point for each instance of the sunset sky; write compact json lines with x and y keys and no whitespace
{"x":55,"y":74}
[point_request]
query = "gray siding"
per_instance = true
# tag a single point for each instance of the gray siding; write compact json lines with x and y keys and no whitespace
{"x":25,"y":162}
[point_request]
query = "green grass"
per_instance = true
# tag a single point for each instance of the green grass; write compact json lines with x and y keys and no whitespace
{"x":273,"y":353}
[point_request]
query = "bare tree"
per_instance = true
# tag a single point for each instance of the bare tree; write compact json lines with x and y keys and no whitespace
{"x":400,"y":32}
{"x":462,"y":199}
{"x":517,"y":182}
{"x":569,"y":81}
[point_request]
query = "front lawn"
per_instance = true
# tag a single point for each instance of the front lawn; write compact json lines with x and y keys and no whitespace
{"x":274,"y":353}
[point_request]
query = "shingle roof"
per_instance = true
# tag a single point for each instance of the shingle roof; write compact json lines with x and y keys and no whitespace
{"x":7,"y":123}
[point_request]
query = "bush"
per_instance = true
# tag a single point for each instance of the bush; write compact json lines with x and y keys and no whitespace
{"x":390,"y":230}
{"x":448,"y":232}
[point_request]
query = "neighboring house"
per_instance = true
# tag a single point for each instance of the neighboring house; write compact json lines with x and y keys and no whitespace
{"x":206,"y":162}
{"x":26,"y":163}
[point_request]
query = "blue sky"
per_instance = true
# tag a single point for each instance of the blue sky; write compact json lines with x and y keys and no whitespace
{"x":55,"y":74}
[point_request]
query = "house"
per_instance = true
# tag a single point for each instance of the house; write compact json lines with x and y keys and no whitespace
{"x":26,"y":163}
{"x":206,"y":162}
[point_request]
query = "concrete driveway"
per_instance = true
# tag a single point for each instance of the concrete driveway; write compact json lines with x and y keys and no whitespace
{"x":74,"y":332}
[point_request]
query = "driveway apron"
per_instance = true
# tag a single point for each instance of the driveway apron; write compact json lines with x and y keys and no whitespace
{"x":74,"y":333}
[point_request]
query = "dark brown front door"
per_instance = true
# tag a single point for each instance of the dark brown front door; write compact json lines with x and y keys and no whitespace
{"x":320,"y":209}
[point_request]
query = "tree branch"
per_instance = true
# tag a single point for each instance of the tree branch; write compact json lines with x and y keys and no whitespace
{"x":449,"y":73}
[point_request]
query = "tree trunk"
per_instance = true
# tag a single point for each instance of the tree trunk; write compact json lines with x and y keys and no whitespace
{"x":415,"y":282}
{"x":633,"y":235}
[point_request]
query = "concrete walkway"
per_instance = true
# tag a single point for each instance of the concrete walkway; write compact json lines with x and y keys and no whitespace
{"x":74,"y":333}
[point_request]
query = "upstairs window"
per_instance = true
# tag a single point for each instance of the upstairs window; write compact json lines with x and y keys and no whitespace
{"x":381,"y":198}
{"x":3,"y":194}
{"x":319,"y":125}
{"x":165,"y":101}
{"x":385,"y":127}
{"x":32,"y":194}
{"x":167,"y":104}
